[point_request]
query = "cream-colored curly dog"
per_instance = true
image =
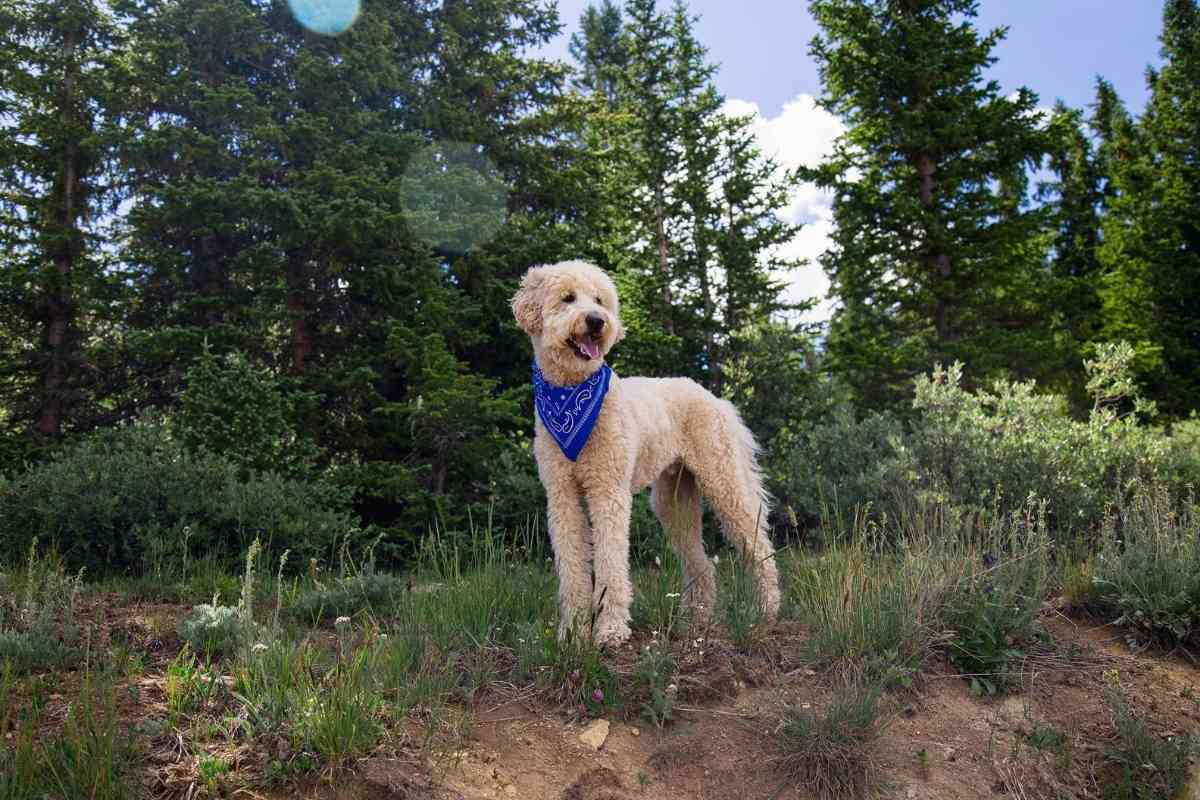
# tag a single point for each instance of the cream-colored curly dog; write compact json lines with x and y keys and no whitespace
{"x":668,"y":433}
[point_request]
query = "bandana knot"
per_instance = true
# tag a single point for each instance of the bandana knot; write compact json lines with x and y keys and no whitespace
{"x":570,"y":412}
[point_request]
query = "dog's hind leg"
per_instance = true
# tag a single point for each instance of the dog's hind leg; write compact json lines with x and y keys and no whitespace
{"x":722,"y":453}
{"x":676,"y":499}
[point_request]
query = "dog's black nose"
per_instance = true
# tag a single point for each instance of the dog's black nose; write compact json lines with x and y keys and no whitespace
{"x":595,"y":323}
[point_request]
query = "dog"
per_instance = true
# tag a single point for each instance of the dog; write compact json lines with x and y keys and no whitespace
{"x":670,"y":434}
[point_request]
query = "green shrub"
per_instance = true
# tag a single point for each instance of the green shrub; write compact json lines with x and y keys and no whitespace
{"x":1148,"y":566}
{"x":843,"y":463}
{"x":134,"y":499}
{"x":993,"y":607}
{"x":235,"y":408}
{"x":974,"y":449}
{"x":654,"y":677}
{"x":348,"y":597}
{"x":214,"y":630}
{"x":328,"y":711}
{"x":37,"y":614}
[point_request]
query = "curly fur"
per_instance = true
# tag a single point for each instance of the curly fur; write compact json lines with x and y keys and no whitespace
{"x":670,"y":434}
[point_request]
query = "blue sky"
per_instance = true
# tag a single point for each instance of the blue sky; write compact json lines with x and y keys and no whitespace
{"x":1054,"y":47}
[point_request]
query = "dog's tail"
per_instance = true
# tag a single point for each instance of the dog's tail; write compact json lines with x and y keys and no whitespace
{"x":746,"y":452}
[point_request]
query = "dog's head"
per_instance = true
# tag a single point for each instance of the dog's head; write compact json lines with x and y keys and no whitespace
{"x":570,"y":312}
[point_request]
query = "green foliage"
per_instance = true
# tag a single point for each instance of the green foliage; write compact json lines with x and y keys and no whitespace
{"x":38,"y":629}
{"x":1147,"y":569}
{"x":1150,"y":249}
{"x":1150,"y":768}
{"x":831,"y":751}
{"x":871,"y":614}
{"x":233,"y":408}
{"x":739,"y":605}
{"x":974,"y":450}
{"x":134,"y":498}
{"x":935,"y":256}
{"x":58,"y":288}
{"x":188,"y":686}
{"x":328,"y":712}
{"x":88,"y":756}
{"x":213,"y":629}
{"x":654,"y":677}
{"x":349,"y":597}
{"x":993,"y":608}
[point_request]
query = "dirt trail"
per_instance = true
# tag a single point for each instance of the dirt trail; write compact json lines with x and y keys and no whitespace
{"x":945,"y":744}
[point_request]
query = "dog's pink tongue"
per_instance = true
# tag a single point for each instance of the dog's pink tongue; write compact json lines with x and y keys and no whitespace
{"x":590,"y":347}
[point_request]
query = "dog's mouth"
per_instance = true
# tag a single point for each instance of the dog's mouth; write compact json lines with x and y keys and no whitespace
{"x":586,"y":346}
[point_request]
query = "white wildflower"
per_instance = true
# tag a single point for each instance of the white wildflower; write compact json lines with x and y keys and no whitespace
{"x":672,"y":594}
{"x":258,"y":647}
{"x":340,"y":621}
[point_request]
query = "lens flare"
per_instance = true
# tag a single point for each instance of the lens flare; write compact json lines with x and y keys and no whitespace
{"x":327,"y":17}
{"x":454,"y":198}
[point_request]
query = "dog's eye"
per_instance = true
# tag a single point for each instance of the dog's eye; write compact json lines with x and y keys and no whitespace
{"x":600,"y":302}
{"x":569,"y":298}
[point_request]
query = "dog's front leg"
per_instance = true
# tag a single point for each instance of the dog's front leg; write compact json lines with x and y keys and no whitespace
{"x":570,"y":539}
{"x":609,"y":508}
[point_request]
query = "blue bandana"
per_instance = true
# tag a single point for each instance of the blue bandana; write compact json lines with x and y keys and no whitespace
{"x":570,"y":412}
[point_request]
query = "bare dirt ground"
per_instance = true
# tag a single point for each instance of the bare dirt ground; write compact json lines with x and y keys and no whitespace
{"x":942,"y":743}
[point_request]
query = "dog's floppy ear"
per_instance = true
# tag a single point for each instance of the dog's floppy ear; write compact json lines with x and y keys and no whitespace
{"x":527,"y":302}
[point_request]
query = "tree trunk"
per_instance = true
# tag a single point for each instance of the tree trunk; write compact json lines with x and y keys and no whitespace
{"x":938,"y":262}
{"x":302,"y":343}
{"x":62,"y":256}
{"x":710,"y":345}
{"x":664,"y":266}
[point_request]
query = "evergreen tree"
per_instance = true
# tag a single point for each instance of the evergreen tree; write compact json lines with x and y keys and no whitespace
{"x":600,"y":49}
{"x":1151,"y":247}
{"x":935,"y":255}
{"x":1076,"y":199}
{"x":685,"y":210}
{"x":55,"y":80}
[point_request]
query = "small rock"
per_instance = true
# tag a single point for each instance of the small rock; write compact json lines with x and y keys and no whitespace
{"x":595,"y":734}
{"x":634,"y":732}
{"x":528,"y":741}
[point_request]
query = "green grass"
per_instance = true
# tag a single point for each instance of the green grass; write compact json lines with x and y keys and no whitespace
{"x":1147,"y":571}
{"x":89,"y":756}
{"x":1147,"y":767}
{"x":831,"y":751}
{"x":882,"y":607}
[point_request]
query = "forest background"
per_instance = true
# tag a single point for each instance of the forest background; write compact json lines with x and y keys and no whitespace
{"x":254,"y":277}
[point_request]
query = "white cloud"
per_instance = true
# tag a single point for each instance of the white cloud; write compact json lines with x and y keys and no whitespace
{"x":803,"y":134}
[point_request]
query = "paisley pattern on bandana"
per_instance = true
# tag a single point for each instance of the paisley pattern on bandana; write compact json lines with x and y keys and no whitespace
{"x":570,"y":412}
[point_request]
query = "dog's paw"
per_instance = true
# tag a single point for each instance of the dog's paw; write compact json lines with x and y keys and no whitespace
{"x":611,"y":632}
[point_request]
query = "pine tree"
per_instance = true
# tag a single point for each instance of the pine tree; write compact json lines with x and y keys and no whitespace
{"x":55,"y":83}
{"x":935,"y":256}
{"x":600,"y":49}
{"x":1151,"y":247}
{"x":1076,"y":199}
